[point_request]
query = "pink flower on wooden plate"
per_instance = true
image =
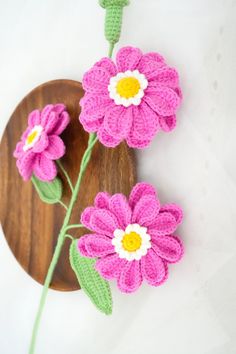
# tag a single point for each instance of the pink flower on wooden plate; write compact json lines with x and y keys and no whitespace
{"x":40,"y":144}
{"x":132,"y":239}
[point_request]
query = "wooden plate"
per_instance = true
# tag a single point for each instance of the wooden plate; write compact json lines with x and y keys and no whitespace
{"x":30,"y":226}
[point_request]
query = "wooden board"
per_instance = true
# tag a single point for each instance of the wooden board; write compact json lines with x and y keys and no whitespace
{"x":30,"y":226}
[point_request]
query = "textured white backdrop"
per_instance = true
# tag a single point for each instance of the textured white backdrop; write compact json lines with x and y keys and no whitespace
{"x":194,"y":313}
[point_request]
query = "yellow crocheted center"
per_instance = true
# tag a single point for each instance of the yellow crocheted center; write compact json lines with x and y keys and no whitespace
{"x":131,"y":242}
{"x":128,"y":87}
{"x":31,"y":137}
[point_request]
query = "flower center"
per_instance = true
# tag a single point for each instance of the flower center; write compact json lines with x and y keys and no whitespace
{"x":128,"y":87}
{"x":131,"y":242}
{"x":31,"y":137}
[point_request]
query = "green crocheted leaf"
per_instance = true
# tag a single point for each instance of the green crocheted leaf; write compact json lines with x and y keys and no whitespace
{"x":49,"y":192}
{"x":90,"y":281}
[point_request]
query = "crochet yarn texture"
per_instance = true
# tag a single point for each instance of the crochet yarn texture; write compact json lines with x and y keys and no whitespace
{"x":40,"y":144}
{"x":94,"y":286}
{"x":113,"y":20}
{"x":132,"y":239}
{"x":130,"y":100}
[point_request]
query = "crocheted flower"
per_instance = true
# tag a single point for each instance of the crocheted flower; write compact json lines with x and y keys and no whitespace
{"x":131,"y":100}
{"x":132,"y":239}
{"x":40,"y":144}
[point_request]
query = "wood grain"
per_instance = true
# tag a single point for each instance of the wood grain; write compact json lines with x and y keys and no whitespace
{"x":30,"y":226}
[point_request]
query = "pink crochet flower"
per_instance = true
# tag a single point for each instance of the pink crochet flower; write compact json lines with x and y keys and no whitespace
{"x":132,"y":238}
{"x":40,"y":144}
{"x":131,"y":100}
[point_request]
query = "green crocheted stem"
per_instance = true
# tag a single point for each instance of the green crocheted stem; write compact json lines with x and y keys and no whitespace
{"x":113,"y":20}
{"x":61,"y":239}
{"x":66,"y":175}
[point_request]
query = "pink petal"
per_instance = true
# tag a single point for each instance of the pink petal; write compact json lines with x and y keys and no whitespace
{"x":18,"y":152}
{"x":96,"y":80}
{"x":108,"y":65}
{"x":130,"y":277}
{"x":106,"y":139}
{"x":55,"y":118}
{"x":94,"y":107}
{"x":119,"y":206}
{"x":86,"y":217}
{"x":110,"y":266}
{"x":34,"y":118}
{"x":164,"y":224}
{"x":59,"y":108}
{"x":167,"y":123}
{"x":88,"y":125}
{"x":150,"y":70}
{"x":56,"y":148}
{"x":63,"y":121}
{"x":152,"y":57}
{"x":50,"y":121}
{"x":175,"y":210}
{"x":81,"y":245}
{"x":139,"y":190}
{"x":41,"y":144}
{"x":150,"y":64}
{"x":153,"y":269}
{"x":146,"y":210}
{"x":102,"y":200}
{"x":165,"y":76}
{"x":44,"y":168}
{"x":145,"y":122}
{"x":118,"y":121}
{"x":128,"y":58}
{"x":103,"y":222}
{"x":168,"y":247}
{"x":162,"y":100}
{"x":57,"y":123}
{"x":179,"y":92}
{"x":95,"y":245}
{"x":45,"y":114}
{"x":136,"y":143}
{"x":26,"y":163}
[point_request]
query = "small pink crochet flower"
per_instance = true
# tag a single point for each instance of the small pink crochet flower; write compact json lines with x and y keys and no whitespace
{"x":40,"y":144}
{"x":132,"y":238}
{"x":131,"y":100}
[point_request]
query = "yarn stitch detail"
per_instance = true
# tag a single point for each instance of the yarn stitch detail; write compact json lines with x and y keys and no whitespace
{"x":113,"y":20}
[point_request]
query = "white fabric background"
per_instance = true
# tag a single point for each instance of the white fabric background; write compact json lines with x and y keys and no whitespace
{"x":194,"y":313}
